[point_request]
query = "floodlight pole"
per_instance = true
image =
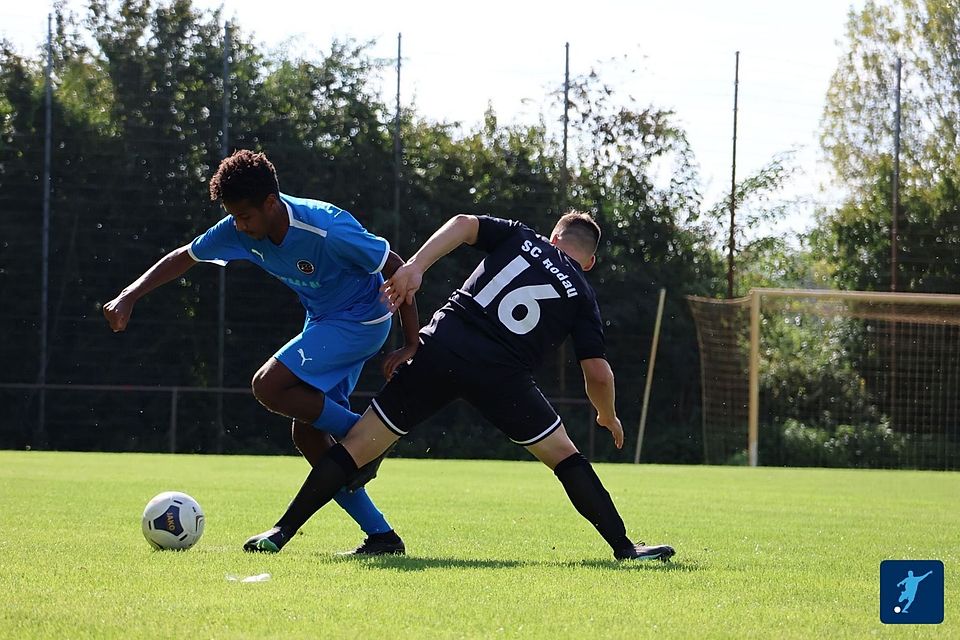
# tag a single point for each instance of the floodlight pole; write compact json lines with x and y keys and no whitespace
{"x":40,"y":433}
{"x":895,"y":213}
{"x":395,"y":338}
{"x":733,"y":178}
{"x":894,"y":233}
{"x":397,"y":156}
{"x":564,"y":172}
{"x":564,"y":187}
{"x":222,"y":293}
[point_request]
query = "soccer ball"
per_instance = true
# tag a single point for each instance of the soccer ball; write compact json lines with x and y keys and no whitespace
{"x":172,"y":520}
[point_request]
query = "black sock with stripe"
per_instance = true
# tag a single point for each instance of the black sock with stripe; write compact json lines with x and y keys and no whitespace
{"x":328,"y":476}
{"x":589,"y":497}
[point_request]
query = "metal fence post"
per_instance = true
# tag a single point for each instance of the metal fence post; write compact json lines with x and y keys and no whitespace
{"x":172,"y":432}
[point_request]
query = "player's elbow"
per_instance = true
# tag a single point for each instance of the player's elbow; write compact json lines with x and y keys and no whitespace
{"x":601,"y":381}
{"x":597,"y":372}
{"x":394,"y":261}
{"x":467,"y":226}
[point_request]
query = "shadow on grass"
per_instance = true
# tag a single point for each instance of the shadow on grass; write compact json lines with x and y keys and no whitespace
{"x":421,"y":563}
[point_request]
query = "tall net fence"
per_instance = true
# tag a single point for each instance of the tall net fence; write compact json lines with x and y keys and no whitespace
{"x":723,"y":338}
{"x":136,"y":129}
{"x":842,"y":378}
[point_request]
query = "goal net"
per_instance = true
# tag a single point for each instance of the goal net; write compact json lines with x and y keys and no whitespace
{"x":831,"y":378}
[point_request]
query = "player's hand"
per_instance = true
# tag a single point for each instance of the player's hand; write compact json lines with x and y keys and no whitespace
{"x":117,"y":312}
{"x":612,"y":424}
{"x":398,"y":357}
{"x":401,"y":286}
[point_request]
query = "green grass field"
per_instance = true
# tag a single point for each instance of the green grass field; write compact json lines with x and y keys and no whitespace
{"x":495,"y":551}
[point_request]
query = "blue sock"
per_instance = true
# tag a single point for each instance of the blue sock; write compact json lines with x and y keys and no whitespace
{"x":361,"y":508}
{"x":335,"y":419}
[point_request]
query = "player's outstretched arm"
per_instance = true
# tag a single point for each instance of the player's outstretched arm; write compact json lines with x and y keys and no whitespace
{"x":171,"y":266}
{"x":598,"y":377}
{"x":409,"y":323}
{"x":403,"y":284}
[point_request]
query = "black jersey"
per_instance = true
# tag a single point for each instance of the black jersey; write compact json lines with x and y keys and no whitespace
{"x":520,"y":303}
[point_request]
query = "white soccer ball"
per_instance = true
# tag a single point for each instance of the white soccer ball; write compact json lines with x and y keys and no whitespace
{"x":172,"y":520}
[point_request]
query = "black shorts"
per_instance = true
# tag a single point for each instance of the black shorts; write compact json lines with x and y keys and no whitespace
{"x":506,"y":396}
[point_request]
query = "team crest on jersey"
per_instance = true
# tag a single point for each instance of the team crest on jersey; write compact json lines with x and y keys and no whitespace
{"x":305,"y":266}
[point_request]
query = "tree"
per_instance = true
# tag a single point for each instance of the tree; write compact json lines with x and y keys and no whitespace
{"x":858,"y":130}
{"x":137,"y":130}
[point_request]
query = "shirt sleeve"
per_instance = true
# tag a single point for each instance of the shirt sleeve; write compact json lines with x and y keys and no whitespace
{"x":494,"y":231}
{"x":349,"y":243}
{"x":219,"y":244}
{"x":587,"y":332}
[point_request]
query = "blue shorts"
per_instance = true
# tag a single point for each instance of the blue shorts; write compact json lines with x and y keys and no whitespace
{"x":329,"y":354}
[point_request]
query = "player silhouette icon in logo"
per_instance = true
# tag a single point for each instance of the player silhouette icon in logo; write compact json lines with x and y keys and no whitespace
{"x":909,"y":585}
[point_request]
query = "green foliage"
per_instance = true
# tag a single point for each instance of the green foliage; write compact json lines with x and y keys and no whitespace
{"x":756,"y":209}
{"x":770,"y":261}
{"x":826,"y":374}
{"x":864,"y":445}
{"x":137,"y":110}
{"x":858,"y":137}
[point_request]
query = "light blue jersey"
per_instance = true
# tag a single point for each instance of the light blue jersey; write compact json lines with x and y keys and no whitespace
{"x":327,"y":257}
{"x":334,"y":265}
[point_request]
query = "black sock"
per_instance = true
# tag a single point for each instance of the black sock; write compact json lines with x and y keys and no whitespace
{"x":587,"y":494}
{"x":386,"y":536}
{"x":328,"y":476}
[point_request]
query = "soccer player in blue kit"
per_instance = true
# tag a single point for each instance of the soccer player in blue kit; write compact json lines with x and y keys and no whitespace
{"x":334,"y":265}
{"x":526,"y":296}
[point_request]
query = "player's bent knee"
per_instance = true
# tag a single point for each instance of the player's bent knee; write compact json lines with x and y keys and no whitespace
{"x":268,"y":390}
{"x":368,"y":438}
{"x":260,"y":385}
{"x":554,"y":448}
{"x":310,"y":441}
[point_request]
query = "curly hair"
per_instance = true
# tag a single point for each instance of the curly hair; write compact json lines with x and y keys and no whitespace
{"x":581,"y":227}
{"x":244,"y":175}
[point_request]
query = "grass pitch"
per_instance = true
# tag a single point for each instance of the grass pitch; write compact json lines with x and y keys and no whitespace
{"x":495,"y":551}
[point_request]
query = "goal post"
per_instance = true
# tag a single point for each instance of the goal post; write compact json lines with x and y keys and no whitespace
{"x":831,"y":378}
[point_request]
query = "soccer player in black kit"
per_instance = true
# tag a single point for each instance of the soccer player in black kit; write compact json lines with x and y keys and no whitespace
{"x":521,"y":302}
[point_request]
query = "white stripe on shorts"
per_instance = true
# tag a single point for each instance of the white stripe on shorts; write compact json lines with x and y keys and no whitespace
{"x":543,"y":434}
{"x":377,"y":410}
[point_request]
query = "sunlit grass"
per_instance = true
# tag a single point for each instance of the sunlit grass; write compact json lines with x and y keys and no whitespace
{"x":494,"y":550}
